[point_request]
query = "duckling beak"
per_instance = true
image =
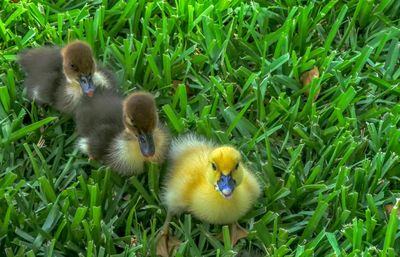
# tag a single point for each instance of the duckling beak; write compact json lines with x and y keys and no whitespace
{"x":146,"y":144}
{"x":226,"y":185}
{"x":87,"y":85}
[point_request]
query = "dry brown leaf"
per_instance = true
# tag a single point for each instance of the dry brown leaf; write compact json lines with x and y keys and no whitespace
{"x":306,"y":79}
{"x":134,"y":241}
{"x":389,"y":209}
{"x":42,"y":142}
{"x":176,"y":83}
{"x":198,"y":51}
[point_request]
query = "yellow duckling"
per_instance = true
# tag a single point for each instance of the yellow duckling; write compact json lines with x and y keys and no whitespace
{"x":210,"y":182}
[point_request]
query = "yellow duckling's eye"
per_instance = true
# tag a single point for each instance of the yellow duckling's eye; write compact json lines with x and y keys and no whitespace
{"x":236,"y":166}
{"x":214,"y":166}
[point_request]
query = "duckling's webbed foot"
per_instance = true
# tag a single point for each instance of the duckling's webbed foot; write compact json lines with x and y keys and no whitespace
{"x":237,"y":232}
{"x":166,"y":244}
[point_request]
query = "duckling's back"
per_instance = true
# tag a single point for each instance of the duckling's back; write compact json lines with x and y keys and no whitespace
{"x":43,"y":67}
{"x":189,"y":157}
{"x":98,"y":121}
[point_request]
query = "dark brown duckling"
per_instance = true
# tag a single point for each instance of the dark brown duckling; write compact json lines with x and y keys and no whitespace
{"x":123,"y":134}
{"x":61,"y":77}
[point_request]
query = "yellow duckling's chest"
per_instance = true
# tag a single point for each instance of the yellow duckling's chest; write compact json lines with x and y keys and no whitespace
{"x":209,"y":205}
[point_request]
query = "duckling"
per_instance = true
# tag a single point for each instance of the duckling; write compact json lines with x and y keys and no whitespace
{"x":124,"y":134}
{"x":61,"y":77}
{"x":209,"y":181}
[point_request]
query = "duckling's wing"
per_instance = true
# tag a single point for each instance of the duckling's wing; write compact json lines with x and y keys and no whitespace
{"x":100,"y":139}
{"x":43,"y":68}
{"x":39,"y":60}
{"x":99,"y":120}
{"x":102,"y":108}
{"x":104,"y":79}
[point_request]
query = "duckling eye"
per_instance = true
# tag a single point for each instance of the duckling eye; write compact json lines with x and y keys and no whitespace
{"x":214,"y":166}
{"x":73,"y":66}
{"x":236,"y":166}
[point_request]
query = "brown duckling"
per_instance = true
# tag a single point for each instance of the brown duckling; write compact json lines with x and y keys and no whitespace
{"x":123,"y":134}
{"x":61,"y":77}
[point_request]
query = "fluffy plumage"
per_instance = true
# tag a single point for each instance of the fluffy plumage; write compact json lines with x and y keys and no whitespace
{"x":60,"y":76}
{"x":111,"y":128}
{"x":209,"y":181}
{"x":191,"y":183}
{"x":99,"y":121}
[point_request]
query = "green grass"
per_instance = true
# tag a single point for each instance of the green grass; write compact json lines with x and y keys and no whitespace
{"x":328,"y":167}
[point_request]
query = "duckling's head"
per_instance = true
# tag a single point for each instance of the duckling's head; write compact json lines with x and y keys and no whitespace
{"x":225,"y":170}
{"x":79,"y":65}
{"x":140,"y":119}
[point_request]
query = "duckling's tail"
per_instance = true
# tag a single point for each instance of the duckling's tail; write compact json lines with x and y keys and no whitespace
{"x":186,"y":142}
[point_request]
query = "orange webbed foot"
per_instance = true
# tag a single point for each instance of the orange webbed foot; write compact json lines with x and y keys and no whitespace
{"x":236,"y":233}
{"x":166,"y":244}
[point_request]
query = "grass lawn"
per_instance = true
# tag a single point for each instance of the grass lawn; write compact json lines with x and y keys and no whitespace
{"x":231,"y":71}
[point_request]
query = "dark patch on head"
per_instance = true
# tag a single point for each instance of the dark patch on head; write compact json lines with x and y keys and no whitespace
{"x":78,"y":58}
{"x":140,"y":112}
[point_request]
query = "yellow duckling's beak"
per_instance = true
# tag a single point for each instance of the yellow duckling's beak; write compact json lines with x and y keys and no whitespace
{"x":226,"y":185}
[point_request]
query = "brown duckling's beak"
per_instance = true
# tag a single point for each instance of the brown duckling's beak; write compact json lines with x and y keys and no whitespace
{"x":146,"y":144}
{"x":87,"y":85}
